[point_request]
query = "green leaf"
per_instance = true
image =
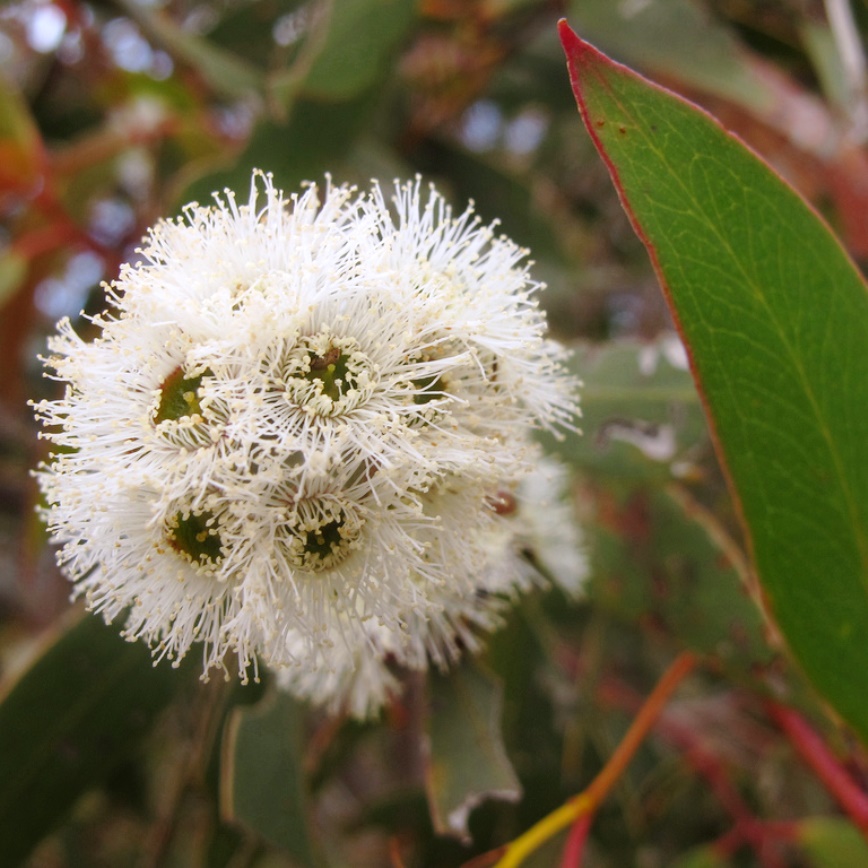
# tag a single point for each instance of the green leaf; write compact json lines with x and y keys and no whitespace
{"x":822,"y":47}
{"x":222,"y":70}
{"x":833,"y":842}
{"x":68,"y":721}
{"x":466,"y":762}
{"x":775,"y":319}
{"x":361,"y":36}
{"x":13,"y":270}
{"x":701,"y":857}
{"x":263,"y":785}
{"x":21,"y":149}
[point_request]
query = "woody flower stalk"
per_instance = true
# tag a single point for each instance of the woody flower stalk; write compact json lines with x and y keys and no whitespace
{"x":301,"y":433}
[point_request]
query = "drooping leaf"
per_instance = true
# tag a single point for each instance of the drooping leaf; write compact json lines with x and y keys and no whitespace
{"x":466,"y":762}
{"x":361,"y":36}
{"x":69,"y":720}
{"x":263,"y":784}
{"x":775,"y":319}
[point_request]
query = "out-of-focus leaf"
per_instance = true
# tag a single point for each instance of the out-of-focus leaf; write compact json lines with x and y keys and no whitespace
{"x":331,"y":101}
{"x":359,"y":37}
{"x":315,"y":141}
{"x":13,"y":269}
{"x":678,"y":39}
{"x":20,"y":142}
{"x":89,"y":184}
{"x":775,"y":319}
{"x":820,"y":44}
{"x":466,"y":762}
{"x":262,"y":783}
{"x":223,"y":71}
{"x":79,"y":710}
{"x":832,"y":842}
{"x":653,"y":564}
{"x":497,"y":194}
{"x":640,"y":410}
{"x":701,"y":857}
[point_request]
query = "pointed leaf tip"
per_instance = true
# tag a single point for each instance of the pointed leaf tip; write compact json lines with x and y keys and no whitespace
{"x":573,"y":44}
{"x":569,"y":40}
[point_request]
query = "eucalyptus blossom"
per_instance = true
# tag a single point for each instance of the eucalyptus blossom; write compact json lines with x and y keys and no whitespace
{"x":296,"y":432}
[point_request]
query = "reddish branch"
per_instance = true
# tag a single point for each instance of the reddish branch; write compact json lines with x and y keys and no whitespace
{"x":575,"y":846}
{"x":814,"y":751}
{"x":747,"y":829}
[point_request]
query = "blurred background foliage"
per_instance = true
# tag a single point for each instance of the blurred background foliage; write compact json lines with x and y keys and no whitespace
{"x":114,"y":113}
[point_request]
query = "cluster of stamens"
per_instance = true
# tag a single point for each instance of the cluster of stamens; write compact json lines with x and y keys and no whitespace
{"x":320,"y":376}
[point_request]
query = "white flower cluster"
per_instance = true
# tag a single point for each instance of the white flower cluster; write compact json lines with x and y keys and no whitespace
{"x":299,"y":436}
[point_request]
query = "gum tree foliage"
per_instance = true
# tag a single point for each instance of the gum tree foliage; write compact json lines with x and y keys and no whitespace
{"x":723,"y":507}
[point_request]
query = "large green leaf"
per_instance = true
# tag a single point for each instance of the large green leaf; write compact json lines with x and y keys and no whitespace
{"x":72,"y":717}
{"x":775,"y":319}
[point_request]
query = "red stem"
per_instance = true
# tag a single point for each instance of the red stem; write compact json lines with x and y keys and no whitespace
{"x":816,"y":754}
{"x":747,"y":829}
{"x":575,"y":846}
